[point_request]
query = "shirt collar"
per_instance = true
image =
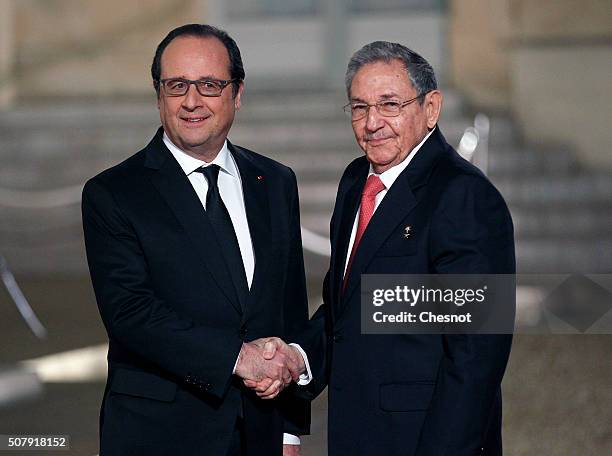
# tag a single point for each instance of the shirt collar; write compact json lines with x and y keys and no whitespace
{"x":389,"y":176}
{"x":189,"y":164}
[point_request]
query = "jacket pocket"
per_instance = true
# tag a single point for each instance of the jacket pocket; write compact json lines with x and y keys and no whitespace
{"x":397,"y":249}
{"x":405,"y":397}
{"x":143,"y":384}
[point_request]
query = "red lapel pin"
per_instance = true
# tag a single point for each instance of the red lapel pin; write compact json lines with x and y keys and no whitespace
{"x":259,"y":178}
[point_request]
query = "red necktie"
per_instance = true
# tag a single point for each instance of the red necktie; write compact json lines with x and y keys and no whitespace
{"x":373,"y":187}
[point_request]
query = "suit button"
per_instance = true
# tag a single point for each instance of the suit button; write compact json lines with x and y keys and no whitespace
{"x":243,"y":331}
{"x":337,"y":337}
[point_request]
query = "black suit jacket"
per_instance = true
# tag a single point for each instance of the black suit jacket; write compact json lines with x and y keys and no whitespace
{"x":175,"y":322}
{"x":413,"y":394}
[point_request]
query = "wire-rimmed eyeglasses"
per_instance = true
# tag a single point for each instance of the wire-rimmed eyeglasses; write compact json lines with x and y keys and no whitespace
{"x":386,"y":108}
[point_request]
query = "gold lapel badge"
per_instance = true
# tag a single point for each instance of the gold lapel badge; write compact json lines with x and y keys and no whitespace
{"x":407,"y":232}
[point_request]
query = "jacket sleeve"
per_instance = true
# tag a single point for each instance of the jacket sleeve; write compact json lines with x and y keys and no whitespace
{"x":134,"y":316}
{"x":314,"y":339}
{"x":471,"y":233}
{"x":295,"y":409}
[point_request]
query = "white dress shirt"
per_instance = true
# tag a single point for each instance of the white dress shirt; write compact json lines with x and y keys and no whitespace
{"x":387,"y":178}
{"x":230,"y":189}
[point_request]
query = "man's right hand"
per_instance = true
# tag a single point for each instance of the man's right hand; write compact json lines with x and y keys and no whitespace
{"x":255,"y":364}
{"x":272,"y":348}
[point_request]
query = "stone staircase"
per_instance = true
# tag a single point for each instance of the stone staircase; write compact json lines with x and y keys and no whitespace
{"x":562,"y":213}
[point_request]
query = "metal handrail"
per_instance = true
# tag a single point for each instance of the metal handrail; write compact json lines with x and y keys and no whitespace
{"x":474,"y":143}
{"x":20,"y":300}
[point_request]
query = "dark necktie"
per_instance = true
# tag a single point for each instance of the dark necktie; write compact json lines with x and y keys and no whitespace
{"x":224,"y":229}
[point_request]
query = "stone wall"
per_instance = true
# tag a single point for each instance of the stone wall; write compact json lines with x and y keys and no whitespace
{"x":478,"y":64}
{"x":77,"y":48}
{"x":560,"y":67}
{"x":7,"y":53}
{"x":547,"y":62}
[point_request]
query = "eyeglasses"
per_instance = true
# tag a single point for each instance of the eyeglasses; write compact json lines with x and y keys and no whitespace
{"x":177,"y":87}
{"x":387,"y":108}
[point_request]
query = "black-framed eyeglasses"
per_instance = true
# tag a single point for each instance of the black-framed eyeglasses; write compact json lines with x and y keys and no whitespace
{"x":177,"y":87}
{"x":386,"y":108}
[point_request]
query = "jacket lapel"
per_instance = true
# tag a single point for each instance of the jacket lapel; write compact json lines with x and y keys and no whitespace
{"x":256,"y":201}
{"x":175,"y":188}
{"x":341,"y":236}
{"x":395,"y":206}
{"x":399,"y":201}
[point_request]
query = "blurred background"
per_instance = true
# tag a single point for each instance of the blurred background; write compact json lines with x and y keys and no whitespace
{"x":528,"y":96}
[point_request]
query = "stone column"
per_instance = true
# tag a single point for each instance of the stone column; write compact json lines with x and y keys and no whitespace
{"x":478,"y":43}
{"x":7,"y":53}
{"x":336,"y":27}
{"x":560,"y":69}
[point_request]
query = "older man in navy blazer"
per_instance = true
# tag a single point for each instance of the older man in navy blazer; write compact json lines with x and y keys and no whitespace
{"x":410,"y":395}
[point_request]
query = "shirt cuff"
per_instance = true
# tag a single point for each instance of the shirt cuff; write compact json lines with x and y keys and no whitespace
{"x":306,"y":377}
{"x":290,"y":439}
{"x":236,"y":363}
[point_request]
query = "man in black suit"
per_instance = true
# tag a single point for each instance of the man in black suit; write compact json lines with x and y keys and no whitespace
{"x":411,"y":205}
{"x":195,"y":254}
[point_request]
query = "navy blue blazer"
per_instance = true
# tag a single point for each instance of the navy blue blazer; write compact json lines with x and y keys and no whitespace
{"x":174,"y":319}
{"x":413,"y":395}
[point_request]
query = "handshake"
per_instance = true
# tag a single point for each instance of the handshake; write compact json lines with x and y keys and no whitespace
{"x":269,"y":365}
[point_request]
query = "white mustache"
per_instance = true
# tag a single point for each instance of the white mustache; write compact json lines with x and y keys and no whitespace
{"x":369,"y":137}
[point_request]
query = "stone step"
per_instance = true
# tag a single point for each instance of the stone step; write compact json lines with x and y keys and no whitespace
{"x":62,"y":258}
{"x":581,"y":188}
{"x":311,"y":166}
{"x":580,"y":220}
{"x":49,"y":173}
{"x":267,"y":105}
{"x":57,"y":166}
{"x":523,"y":190}
{"x":524,"y":160}
{"x":89,"y":113}
{"x":537,"y":254}
{"x":67,"y":142}
{"x":130,"y":136}
{"x":580,"y":223}
{"x":502,"y":159}
{"x":124,"y":127}
{"x":61,"y":251}
{"x":565,"y":221}
{"x":544,"y":255}
{"x":336,"y":134}
{"x":53,"y":175}
{"x":261,"y":106}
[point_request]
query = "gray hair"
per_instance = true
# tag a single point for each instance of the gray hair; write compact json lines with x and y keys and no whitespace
{"x":419,"y":71}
